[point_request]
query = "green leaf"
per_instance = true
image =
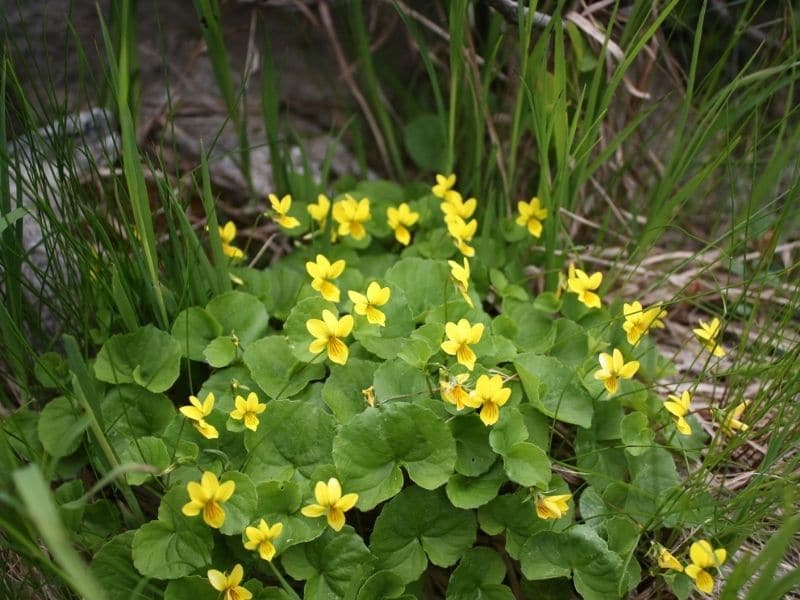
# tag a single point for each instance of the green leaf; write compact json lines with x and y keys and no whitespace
{"x":174,"y":545}
{"x":474,"y":456}
{"x":472,"y":492}
{"x":571,"y":343}
{"x":295,"y":437}
{"x":396,"y":380}
{"x":536,"y":330}
{"x":509,"y":430}
{"x":277,"y":287}
{"x":383,"y":584}
{"x":596,"y":570}
{"x":280,"y":502}
{"x":514,"y":514}
{"x":342,"y":389}
{"x":369,"y":450}
{"x":326,"y":563}
{"x":220,"y":352}
{"x":194,"y":328}
{"x":421,"y":345}
{"x":554,"y":389}
{"x":131,"y":411}
{"x":112,"y":566}
{"x":423,"y":282}
{"x":148,"y":357}
{"x":637,"y":435}
{"x":61,"y":426}
{"x":479,"y":576}
{"x":426,"y":143}
{"x":51,"y":370}
{"x":240,"y":314}
{"x":600,"y":463}
{"x":146,"y":450}
{"x":654,"y":479}
{"x":295,"y":327}
{"x":276,"y":370}
{"x":190,"y":588}
{"x":527,"y":465}
{"x":417,"y":525}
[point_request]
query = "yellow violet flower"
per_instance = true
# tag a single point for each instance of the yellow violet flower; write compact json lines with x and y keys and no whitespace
{"x":227,"y":233}
{"x":666,"y":560}
{"x":454,"y":205}
{"x":462,"y":233}
{"x":229,"y":583}
{"x":330,"y":503}
{"x":368,"y":305}
{"x":351,"y":216}
{"x":612,"y":368}
{"x":329,"y":333}
{"x":248,"y":410}
{"x":552,"y":507}
{"x":453,"y":390}
{"x":639,"y":320}
{"x":707,"y":335}
{"x":679,"y":407}
{"x":489,"y":395}
{"x":731,"y":424}
{"x":444,"y":184}
{"x":261,"y":537}
{"x":531,"y":215}
{"x":319,"y":211}
{"x":206,"y":496}
{"x":281,"y":208}
{"x":400,"y":219}
{"x":369,"y":395}
{"x":704,"y":556}
{"x":197,"y":413}
{"x":459,"y":336}
{"x":322,"y":272}
{"x":460,"y":275}
{"x":582,"y":284}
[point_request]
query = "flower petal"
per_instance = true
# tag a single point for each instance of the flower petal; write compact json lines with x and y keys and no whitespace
{"x":217,"y":580}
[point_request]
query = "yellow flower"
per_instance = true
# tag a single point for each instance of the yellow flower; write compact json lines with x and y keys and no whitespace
{"x":330,"y":503}
{"x":369,"y":395}
{"x":679,"y":407}
{"x":731,"y":424}
{"x":704,"y":556}
{"x":367,"y":305}
{"x":351,"y":216}
{"x":229,"y":583}
{"x":453,"y":390}
{"x":489,"y":395}
{"x":639,"y":320}
{"x":261,"y":538}
{"x":400,"y":219}
{"x":462,"y":233}
{"x":443,"y":185}
{"x":319,"y":211}
{"x":227,"y":233}
{"x":552,"y":507}
{"x":459,"y":336}
{"x":460,"y":275}
{"x":666,"y":560}
{"x":206,"y":496}
{"x":329,"y":333}
{"x":248,"y":410}
{"x":582,"y":284}
{"x":531,"y":215}
{"x":322,"y":273}
{"x":281,"y":208}
{"x":454,"y":205}
{"x":197,"y":412}
{"x":612,"y":368}
{"x":707,"y":335}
